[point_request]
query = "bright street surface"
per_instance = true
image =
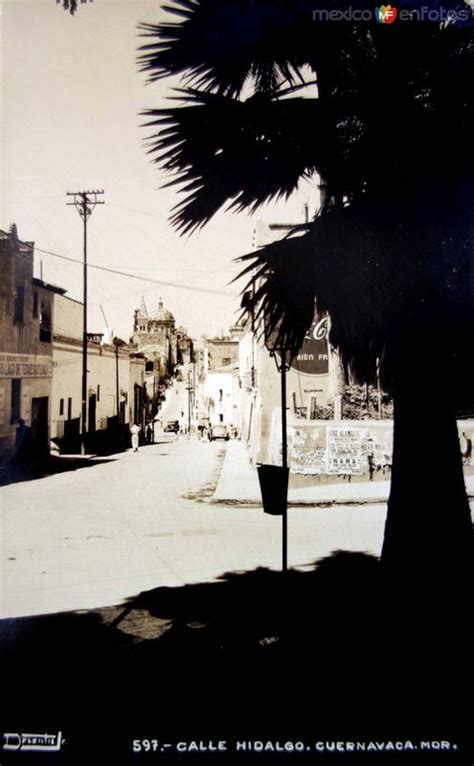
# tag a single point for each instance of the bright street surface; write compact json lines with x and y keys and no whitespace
{"x":91,"y":537}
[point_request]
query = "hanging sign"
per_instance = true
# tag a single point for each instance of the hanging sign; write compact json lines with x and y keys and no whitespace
{"x":312,"y":358}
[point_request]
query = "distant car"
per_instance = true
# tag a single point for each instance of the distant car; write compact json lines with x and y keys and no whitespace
{"x":171,"y":427}
{"x":219,"y":431}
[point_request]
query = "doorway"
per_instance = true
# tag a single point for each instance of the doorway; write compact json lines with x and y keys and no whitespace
{"x":39,"y":425}
{"x":91,"y":424}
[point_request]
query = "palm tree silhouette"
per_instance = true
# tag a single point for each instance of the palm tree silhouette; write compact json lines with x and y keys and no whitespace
{"x":389,"y":255}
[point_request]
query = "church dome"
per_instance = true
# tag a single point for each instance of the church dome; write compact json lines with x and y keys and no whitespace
{"x":162,"y":314}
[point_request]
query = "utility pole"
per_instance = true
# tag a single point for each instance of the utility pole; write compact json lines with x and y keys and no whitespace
{"x":85,"y":202}
{"x":117,"y":343}
{"x":189,"y":388}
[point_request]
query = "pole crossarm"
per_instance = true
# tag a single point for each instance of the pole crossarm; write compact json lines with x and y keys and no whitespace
{"x":85,"y":202}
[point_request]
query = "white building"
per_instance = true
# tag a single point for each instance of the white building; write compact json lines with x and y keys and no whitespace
{"x":109,"y":368}
{"x":221,"y":396}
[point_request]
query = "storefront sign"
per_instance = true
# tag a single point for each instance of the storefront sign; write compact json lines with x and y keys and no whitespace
{"x":312,"y":358}
{"x":25,"y":366}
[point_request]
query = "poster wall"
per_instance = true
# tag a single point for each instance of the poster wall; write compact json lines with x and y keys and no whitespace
{"x":332,"y":447}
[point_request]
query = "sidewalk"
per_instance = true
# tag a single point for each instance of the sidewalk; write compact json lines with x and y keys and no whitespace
{"x":238,"y":483}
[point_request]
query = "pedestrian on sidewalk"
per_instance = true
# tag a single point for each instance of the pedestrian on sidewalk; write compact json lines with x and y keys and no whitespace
{"x":157,"y":428}
{"x":135,"y":431}
{"x":22,"y":451}
{"x":371,"y":464}
{"x":149,"y":434}
{"x":466,"y":449}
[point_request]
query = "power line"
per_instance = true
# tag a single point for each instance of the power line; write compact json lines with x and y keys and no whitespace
{"x":208,"y":290}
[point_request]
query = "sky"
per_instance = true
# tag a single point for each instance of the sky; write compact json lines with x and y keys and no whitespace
{"x":71,"y":101}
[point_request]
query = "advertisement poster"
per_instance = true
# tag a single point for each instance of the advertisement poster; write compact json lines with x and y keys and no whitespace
{"x":308,"y":454}
{"x":344,"y":451}
{"x":179,"y":180}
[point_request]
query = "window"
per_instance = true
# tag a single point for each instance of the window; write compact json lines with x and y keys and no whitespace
{"x":98,"y":393}
{"x":221,"y":394}
{"x":19,"y":305}
{"x":45,"y":322}
{"x":16,"y":400}
{"x":69,"y":408}
{"x":226,"y":361}
{"x":35,"y":305}
{"x":61,"y":406}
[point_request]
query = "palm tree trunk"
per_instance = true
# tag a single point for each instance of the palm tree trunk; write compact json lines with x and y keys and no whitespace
{"x":427,"y":549}
{"x":428,"y":533}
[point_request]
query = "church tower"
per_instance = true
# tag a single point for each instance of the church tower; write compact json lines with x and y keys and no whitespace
{"x":140,"y":320}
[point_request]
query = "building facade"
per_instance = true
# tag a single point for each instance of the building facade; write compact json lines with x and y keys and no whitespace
{"x":116,"y":392}
{"x":216,"y":375}
{"x":27,"y":309}
{"x":154,"y":335}
{"x":221,"y":397}
{"x":164,"y":346}
{"x":311,"y":379}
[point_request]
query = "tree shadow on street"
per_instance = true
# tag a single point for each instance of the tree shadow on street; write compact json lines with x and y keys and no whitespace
{"x":254,"y":653}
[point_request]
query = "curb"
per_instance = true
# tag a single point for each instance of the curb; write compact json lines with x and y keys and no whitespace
{"x":303,"y":503}
{"x":310,"y":503}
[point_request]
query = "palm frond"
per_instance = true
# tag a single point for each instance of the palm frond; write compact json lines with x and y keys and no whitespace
{"x":240,"y":153}
{"x":71,"y":5}
{"x":219,"y":44}
{"x":385,"y":270}
{"x":279,"y":296}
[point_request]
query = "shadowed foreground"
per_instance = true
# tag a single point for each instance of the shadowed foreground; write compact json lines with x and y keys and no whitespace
{"x":325,"y":655}
{"x":30,"y":471}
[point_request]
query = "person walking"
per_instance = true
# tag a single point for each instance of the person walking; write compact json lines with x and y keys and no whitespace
{"x":371,"y":459}
{"x":135,"y":431}
{"x":149,"y":434}
{"x":22,"y":451}
{"x":466,"y":449}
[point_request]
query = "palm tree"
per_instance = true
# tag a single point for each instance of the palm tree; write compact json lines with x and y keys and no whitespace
{"x":389,"y":254}
{"x":71,"y":5}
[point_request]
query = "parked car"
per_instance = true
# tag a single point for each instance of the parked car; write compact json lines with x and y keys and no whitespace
{"x":219,"y":431}
{"x":171,"y":427}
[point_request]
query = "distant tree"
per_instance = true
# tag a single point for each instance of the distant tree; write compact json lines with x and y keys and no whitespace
{"x":389,"y":255}
{"x":360,"y":402}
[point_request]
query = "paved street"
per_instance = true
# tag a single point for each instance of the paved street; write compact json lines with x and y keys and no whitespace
{"x":93,"y":536}
{"x":175,"y":406}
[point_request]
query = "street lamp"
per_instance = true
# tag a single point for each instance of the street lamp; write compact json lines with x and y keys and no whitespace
{"x":274,"y":479}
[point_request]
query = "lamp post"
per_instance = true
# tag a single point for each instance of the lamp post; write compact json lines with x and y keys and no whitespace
{"x":274,"y":479}
{"x":284,"y":456}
